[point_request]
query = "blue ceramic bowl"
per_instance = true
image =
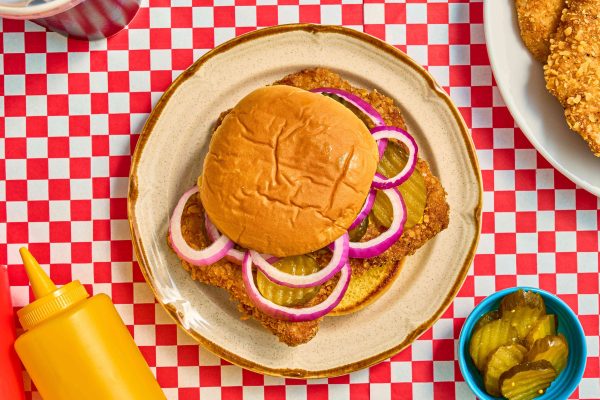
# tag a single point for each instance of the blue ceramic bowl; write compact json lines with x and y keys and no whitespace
{"x":568,"y":325}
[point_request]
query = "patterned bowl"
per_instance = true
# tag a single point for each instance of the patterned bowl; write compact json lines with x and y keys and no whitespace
{"x":568,"y":325}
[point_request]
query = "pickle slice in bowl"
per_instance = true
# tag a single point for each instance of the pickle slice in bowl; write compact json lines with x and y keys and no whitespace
{"x":286,"y":296}
{"x":527,"y":381}
{"x":546,"y":326}
{"x":500,"y":361}
{"x":487,"y":318}
{"x":522,"y":309}
{"x":488,"y":338}
{"x":553,"y":349}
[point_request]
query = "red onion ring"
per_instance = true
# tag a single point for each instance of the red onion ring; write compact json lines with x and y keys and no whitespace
{"x":366,"y":209}
{"x":338,"y":259}
{"x":234,"y":255}
{"x":289,"y":313}
{"x":209,"y":255}
{"x":391,"y":132}
{"x":381,"y":243}
{"x":363,"y":106}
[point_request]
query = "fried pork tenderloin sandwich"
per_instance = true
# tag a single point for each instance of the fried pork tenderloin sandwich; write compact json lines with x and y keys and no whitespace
{"x":303,"y":204}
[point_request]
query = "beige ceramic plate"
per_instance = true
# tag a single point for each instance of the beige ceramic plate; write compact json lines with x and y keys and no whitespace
{"x":169,"y":155}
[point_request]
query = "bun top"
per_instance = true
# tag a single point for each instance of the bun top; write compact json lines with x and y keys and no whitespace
{"x":287,"y":171}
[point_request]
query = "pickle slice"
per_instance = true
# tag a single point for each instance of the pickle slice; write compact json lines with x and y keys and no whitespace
{"x":553,"y":349}
{"x":286,"y":296}
{"x":500,"y":361}
{"x":546,"y":326}
{"x":527,"y":381}
{"x":414,"y":191}
{"x":488,"y":338}
{"x":357,"y":233}
{"x":522,"y":309}
{"x":487,"y":317}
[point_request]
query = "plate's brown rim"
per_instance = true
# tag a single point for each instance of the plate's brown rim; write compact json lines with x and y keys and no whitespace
{"x":133,"y":194}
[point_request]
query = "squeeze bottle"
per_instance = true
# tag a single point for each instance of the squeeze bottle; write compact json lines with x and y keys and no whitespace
{"x":77,"y":347}
{"x":11,"y":377}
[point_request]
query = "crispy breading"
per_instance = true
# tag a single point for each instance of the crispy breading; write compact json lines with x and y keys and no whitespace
{"x":435,"y":217}
{"x":227,"y":275}
{"x":435,"y":220}
{"x":538,"y":20}
{"x":573,"y":69}
{"x":321,"y":77}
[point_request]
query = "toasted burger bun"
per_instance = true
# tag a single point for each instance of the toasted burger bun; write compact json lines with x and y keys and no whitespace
{"x":287,"y":171}
{"x":367,"y":287}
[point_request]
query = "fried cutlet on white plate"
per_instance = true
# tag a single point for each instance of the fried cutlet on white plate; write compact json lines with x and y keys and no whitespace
{"x":538,"y":20}
{"x":573,"y":69}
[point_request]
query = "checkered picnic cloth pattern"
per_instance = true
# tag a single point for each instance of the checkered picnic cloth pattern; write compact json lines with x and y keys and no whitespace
{"x":70,"y":113}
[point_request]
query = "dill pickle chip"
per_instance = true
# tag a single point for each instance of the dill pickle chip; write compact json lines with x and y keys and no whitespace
{"x":488,"y":338}
{"x":357,"y":233}
{"x":522,"y":309}
{"x":382,"y":211}
{"x":527,"y":381}
{"x":414,"y":191}
{"x":545,"y":326}
{"x":553,"y":349}
{"x":500,"y":361}
{"x":286,"y":296}
{"x":487,"y":317}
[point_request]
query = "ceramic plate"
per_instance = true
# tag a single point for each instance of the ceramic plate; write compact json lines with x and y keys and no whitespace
{"x":169,"y":155}
{"x":540,"y":116}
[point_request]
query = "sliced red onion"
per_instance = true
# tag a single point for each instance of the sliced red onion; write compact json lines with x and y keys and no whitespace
{"x":363,"y":106}
{"x":391,"y":132}
{"x":381,"y":146}
{"x":234,"y":255}
{"x":366,"y":209}
{"x":381,"y":243}
{"x":290,"y":313}
{"x":356,"y":101}
{"x":338,"y":259}
{"x":209,"y":255}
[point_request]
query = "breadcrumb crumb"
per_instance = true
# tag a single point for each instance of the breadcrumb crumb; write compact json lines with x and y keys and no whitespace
{"x":538,"y":20}
{"x":573,"y":69}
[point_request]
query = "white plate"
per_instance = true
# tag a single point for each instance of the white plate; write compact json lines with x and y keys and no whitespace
{"x":520,"y":79}
{"x":169,"y":155}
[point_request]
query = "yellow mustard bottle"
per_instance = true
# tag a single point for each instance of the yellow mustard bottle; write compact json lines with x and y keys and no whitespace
{"x":77,"y":347}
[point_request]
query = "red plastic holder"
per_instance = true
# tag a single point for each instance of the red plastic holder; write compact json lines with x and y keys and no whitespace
{"x":10,"y":366}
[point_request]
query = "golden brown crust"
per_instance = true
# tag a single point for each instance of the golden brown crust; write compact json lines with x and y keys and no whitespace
{"x":573,"y":70}
{"x":321,"y":77}
{"x":228,"y":276}
{"x":538,"y":20}
{"x":287,"y":171}
{"x":436,"y":215}
{"x":435,"y":220}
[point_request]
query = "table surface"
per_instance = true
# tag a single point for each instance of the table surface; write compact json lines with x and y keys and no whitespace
{"x":70,"y":115}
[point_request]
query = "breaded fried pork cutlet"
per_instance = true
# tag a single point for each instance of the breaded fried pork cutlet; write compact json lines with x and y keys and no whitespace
{"x":538,"y":20}
{"x":573,"y":69}
{"x":289,"y":188}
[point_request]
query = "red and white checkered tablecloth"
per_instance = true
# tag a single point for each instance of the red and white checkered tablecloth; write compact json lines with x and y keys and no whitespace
{"x":70,"y":113}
